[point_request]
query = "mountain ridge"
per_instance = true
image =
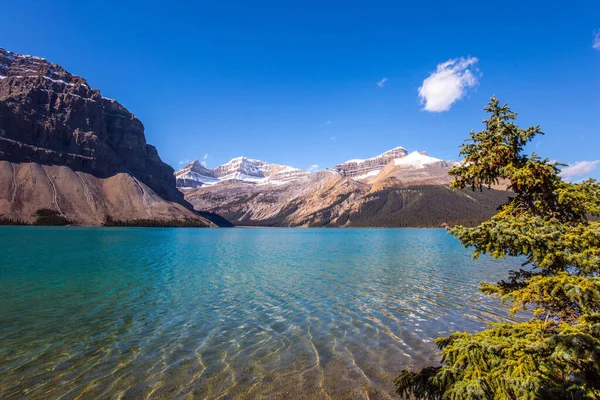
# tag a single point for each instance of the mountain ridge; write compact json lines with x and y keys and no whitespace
{"x":243,"y":169}
{"x":196,"y":174}
{"x":385,"y":190}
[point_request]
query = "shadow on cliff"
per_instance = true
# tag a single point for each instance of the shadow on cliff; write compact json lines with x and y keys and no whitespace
{"x":164,"y":189}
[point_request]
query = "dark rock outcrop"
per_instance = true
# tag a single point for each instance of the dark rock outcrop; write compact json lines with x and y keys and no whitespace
{"x":52,"y":117}
{"x":77,"y":156}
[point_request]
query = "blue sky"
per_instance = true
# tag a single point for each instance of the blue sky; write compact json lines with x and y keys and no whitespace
{"x":297,"y":82}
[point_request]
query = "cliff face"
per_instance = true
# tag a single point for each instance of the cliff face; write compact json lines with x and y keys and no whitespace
{"x":66,"y":148}
{"x":50,"y":116}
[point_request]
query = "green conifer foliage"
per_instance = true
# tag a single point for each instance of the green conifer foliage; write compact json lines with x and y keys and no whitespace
{"x":553,"y":224}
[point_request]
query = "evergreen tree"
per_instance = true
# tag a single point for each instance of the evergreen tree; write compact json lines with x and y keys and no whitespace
{"x":551,"y":224}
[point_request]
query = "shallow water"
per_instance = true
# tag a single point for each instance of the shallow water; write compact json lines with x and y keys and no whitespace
{"x":230,"y":313}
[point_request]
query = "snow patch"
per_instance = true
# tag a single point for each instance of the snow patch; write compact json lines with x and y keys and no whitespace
{"x":287,"y":169}
{"x":28,"y":56}
{"x":56,"y":80}
{"x":47,"y":78}
{"x":70,"y":94}
{"x":368,"y":174}
{"x":416,"y":160}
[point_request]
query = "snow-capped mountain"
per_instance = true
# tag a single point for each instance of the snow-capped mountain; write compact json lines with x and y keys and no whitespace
{"x":396,"y":188}
{"x":195,"y":175}
{"x":360,"y":169}
{"x":402,"y":159}
{"x":248,"y":170}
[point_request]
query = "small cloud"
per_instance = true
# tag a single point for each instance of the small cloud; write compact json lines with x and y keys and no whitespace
{"x":183,"y":163}
{"x":596,"y":41}
{"x":313,"y":168}
{"x":328,"y":122}
{"x":578,"y":169}
{"x":448,"y":84}
{"x":382,"y":82}
{"x":332,"y":137}
{"x":204,"y":159}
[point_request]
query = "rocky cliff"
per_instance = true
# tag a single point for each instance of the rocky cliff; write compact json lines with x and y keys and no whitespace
{"x":53,"y":118}
{"x":50,"y":116}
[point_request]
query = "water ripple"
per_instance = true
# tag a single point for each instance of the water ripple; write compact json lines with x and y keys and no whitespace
{"x":230,"y":313}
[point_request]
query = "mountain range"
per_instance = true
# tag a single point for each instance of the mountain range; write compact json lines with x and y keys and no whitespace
{"x":195,"y":175}
{"x":394,"y":189}
{"x":243,"y":169}
{"x":71,"y":155}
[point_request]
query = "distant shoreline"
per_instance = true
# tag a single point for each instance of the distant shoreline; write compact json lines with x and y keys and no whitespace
{"x":228,"y":227}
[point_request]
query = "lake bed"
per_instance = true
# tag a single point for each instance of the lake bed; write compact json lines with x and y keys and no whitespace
{"x":231,"y":313}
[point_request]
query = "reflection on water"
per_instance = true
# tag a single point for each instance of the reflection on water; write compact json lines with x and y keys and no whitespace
{"x":230,"y":313}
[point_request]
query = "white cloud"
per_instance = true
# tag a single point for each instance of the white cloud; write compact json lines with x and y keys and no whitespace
{"x":596,"y":41}
{"x":578,"y":169}
{"x":328,"y":122}
{"x":448,"y":84}
{"x":332,"y":137}
{"x":204,"y":159}
{"x":183,"y":163}
{"x":313,"y":168}
{"x":382,"y":82}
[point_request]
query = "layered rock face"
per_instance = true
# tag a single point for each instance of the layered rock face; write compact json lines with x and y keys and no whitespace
{"x":195,"y":175}
{"x":66,"y":148}
{"x":359,"y":169}
{"x":50,"y":116}
{"x":416,"y":168}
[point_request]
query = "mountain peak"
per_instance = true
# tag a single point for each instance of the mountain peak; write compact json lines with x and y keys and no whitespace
{"x":255,"y":171}
{"x":360,"y":169}
{"x":94,"y":135}
{"x":239,"y":169}
{"x":24,"y":71}
{"x":417,"y":159}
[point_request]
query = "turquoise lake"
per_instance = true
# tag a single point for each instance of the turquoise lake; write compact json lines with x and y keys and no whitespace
{"x":230,"y":313}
